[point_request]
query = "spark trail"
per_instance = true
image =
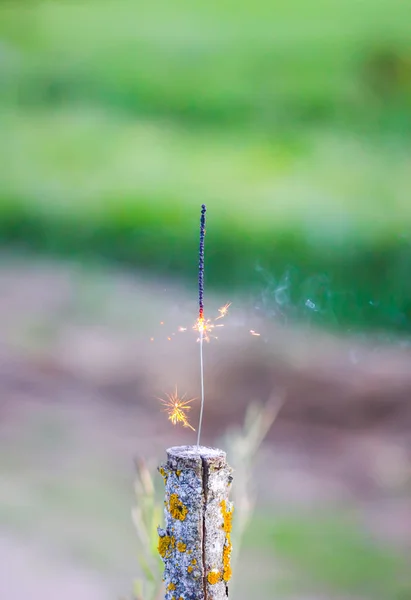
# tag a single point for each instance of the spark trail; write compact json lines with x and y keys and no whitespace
{"x":176,"y":408}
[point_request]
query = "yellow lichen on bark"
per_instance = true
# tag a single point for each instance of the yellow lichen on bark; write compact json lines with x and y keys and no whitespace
{"x":227,"y":572}
{"x":181,"y":546}
{"x":171,"y":587}
{"x":214,"y":577}
{"x":227,"y":517}
{"x":165,"y":545}
{"x":177,"y":509}
{"x":227,"y":526}
{"x":190,"y":568}
{"x":163,"y":474}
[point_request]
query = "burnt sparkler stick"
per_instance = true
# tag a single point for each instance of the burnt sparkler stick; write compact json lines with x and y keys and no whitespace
{"x":195,"y":544}
{"x":201,"y":320}
{"x":201,"y":264}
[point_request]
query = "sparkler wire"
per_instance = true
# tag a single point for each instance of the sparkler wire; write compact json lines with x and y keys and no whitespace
{"x":202,"y":390}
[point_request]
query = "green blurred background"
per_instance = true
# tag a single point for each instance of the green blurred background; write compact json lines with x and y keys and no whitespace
{"x":290,"y":120}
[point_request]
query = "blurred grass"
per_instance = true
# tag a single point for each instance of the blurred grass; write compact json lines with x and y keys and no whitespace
{"x":91,"y":184}
{"x":259,"y":63}
{"x":332,"y":551}
{"x":291,"y":122}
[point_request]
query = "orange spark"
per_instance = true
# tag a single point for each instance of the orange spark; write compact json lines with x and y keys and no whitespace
{"x":204,"y":328}
{"x":176,"y":408}
{"x":223,"y":310}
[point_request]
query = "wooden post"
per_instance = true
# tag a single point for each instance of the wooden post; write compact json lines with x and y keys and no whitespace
{"x":195,"y":544}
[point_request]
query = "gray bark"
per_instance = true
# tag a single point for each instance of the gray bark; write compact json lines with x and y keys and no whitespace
{"x":195,"y":544}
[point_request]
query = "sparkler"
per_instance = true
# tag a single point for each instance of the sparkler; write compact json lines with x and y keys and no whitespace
{"x":177,"y":407}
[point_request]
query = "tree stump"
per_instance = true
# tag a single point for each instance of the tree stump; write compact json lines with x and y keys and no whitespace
{"x":195,"y":544}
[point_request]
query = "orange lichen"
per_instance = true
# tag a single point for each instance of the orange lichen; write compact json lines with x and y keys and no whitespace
{"x":227,"y":526}
{"x":171,"y":587}
{"x":227,"y":572}
{"x":165,"y":546}
{"x":214,"y":577}
{"x":181,"y":546}
{"x":178,"y":473}
{"x":177,"y":508}
{"x":227,"y":517}
{"x":164,"y":474}
{"x":190,"y":569}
